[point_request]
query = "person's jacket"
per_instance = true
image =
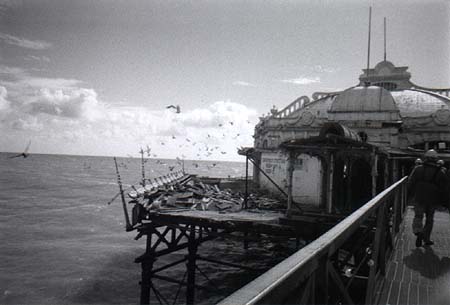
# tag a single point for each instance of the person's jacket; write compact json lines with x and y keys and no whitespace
{"x":428,"y":184}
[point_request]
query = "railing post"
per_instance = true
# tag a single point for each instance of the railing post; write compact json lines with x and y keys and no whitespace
{"x":326,"y":283}
{"x":396,"y":218}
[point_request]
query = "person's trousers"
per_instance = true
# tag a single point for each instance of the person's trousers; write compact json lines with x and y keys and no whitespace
{"x":421,"y":210}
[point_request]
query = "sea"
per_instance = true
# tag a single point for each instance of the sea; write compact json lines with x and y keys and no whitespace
{"x":62,"y":243}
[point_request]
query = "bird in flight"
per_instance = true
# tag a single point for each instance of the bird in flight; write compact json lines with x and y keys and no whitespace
{"x":25,"y":153}
{"x":177,"y":108}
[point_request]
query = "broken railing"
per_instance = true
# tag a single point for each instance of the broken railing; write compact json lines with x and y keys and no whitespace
{"x":344,"y":265}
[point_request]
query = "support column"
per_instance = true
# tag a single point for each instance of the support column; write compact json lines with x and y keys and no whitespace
{"x":330,"y":169}
{"x":348,"y":204}
{"x":386,"y":174}
{"x":192,"y":254}
{"x":246,"y":181}
{"x":256,"y":171}
{"x":395,"y":171}
{"x":146,"y":275}
{"x":397,"y":198}
{"x":374,"y":173}
{"x":290,"y":171}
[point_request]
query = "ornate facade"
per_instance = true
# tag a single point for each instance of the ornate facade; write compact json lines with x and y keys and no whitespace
{"x":336,"y":150}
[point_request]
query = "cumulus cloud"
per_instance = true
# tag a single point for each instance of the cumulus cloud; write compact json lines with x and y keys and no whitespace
{"x":302,"y":80}
{"x":77,"y":103}
{"x":24,"y":43}
{"x":244,"y":84}
{"x":66,"y":112}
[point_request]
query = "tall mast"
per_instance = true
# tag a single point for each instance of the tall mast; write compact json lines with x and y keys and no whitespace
{"x":384,"y":38}
{"x":368,"y":42}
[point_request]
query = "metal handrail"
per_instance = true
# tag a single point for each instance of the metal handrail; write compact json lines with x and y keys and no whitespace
{"x":274,"y":285}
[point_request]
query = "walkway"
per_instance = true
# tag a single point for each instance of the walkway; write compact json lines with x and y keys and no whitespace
{"x":419,"y":275}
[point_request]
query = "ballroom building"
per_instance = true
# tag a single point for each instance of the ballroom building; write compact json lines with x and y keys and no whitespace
{"x":336,"y":150}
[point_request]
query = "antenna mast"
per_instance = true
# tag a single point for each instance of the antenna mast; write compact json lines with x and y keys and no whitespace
{"x":384,"y":38}
{"x":368,"y":43}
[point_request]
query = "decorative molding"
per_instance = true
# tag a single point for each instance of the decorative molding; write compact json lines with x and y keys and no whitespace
{"x":306,"y":118}
{"x":442,"y":117}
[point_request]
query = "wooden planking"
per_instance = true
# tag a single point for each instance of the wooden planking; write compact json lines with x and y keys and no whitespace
{"x":419,"y":275}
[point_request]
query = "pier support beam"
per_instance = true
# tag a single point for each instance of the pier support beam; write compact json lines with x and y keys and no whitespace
{"x":147,"y":266}
{"x":191,"y":258}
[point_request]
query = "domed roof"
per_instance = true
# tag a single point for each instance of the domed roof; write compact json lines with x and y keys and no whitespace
{"x":413,"y":103}
{"x":364,"y":99}
{"x":384,"y":67}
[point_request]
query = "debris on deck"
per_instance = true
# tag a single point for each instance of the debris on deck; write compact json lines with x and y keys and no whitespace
{"x":189,"y":194}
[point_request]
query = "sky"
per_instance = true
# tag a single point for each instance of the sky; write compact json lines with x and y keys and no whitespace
{"x":95,"y":77}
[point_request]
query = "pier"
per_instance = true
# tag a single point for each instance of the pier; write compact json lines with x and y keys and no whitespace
{"x":346,"y":265}
{"x":419,"y":275}
{"x":399,"y":272}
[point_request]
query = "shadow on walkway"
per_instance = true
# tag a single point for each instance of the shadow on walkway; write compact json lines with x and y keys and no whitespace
{"x":427,"y":263}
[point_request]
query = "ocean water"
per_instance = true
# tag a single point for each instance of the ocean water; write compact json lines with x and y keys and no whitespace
{"x":61,"y":243}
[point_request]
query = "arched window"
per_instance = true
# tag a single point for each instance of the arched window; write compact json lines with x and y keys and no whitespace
{"x":386,"y":85}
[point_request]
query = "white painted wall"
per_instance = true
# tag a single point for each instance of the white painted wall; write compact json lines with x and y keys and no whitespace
{"x":307,"y":181}
{"x":275,"y":165}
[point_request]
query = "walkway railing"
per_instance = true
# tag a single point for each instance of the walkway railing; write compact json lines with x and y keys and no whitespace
{"x":344,"y":265}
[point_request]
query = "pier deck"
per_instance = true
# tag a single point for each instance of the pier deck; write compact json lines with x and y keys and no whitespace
{"x":419,"y":275}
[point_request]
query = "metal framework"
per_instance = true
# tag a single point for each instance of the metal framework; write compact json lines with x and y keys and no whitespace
{"x":166,"y":234}
{"x":344,"y":265}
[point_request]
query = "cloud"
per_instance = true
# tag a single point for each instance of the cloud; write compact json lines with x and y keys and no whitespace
{"x":14,"y":71}
{"x":44,"y":82}
{"x":322,"y":69}
{"x":302,"y":80}
{"x":4,"y":104}
{"x":37,"y":58}
{"x":25,"y":43}
{"x":244,"y":84}
{"x":76,"y":103}
{"x":19,"y":77}
{"x":70,"y":118}
{"x":5,"y":5}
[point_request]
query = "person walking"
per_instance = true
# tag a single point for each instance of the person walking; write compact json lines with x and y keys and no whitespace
{"x":428,"y":186}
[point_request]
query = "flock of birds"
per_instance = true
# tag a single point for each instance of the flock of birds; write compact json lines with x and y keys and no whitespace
{"x":203,"y":149}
